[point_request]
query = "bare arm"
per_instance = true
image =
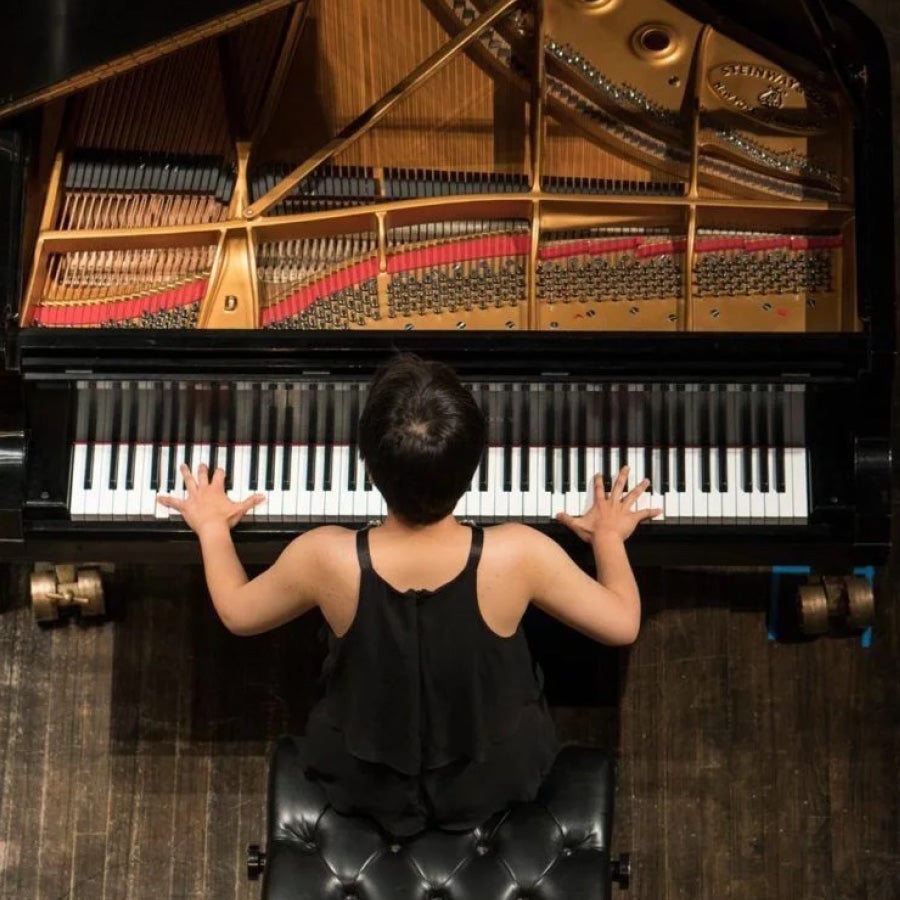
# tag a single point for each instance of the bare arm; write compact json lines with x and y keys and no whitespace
{"x":282,"y":592}
{"x":608,"y":609}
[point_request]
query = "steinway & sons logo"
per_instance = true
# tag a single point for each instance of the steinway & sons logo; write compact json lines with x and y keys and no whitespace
{"x":772,"y":97}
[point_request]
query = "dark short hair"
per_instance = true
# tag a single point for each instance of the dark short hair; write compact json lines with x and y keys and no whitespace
{"x":421,"y":435}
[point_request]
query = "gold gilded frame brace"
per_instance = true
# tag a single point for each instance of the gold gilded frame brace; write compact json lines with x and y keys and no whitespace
{"x":232,"y":297}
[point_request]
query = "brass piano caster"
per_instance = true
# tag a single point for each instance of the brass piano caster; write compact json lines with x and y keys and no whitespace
{"x":835,"y":602}
{"x":57,"y":587}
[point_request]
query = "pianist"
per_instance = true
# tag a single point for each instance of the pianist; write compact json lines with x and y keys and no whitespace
{"x":433,"y":714}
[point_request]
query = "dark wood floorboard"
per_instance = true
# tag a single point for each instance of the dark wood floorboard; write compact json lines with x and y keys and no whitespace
{"x":134,"y":754}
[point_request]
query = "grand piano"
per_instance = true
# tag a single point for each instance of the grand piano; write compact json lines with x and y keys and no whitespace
{"x":654,"y":233}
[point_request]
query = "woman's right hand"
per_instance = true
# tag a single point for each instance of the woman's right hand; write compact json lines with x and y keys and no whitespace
{"x":612,"y":513}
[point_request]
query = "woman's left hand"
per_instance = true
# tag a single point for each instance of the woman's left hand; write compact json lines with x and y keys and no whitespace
{"x":206,"y":502}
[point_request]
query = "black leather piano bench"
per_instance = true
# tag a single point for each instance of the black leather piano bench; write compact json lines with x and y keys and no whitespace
{"x":557,"y":846}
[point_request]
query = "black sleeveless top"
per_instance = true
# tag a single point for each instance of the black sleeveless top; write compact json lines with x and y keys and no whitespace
{"x":429,"y":717}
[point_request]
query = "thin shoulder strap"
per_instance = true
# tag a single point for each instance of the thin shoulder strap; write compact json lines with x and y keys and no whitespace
{"x":477,"y":544}
{"x":362,"y":550}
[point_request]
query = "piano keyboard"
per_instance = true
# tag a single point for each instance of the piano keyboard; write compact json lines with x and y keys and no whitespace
{"x":327,"y":483}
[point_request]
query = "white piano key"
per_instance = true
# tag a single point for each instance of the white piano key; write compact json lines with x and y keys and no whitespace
{"x":102,"y":491}
{"x":160,"y":511}
{"x":355,"y":492}
{"x":757,"y":498}
{"x":261,"y":511}
{"x":732,"y":471}
{"x":147,"y":505}
{"x":516,"y":495}
{"x":743,"y":498}
{"x":636,"y":475}
{"x":239,"y":474}
{"x":656,"y":501}
{"x":124,"y":499}
{"x":373,"y":503}
{"x":338,"y":479}
{"x":671,"y":499}
{"x":694,"y":463}
{"x":142,"y":459}
{"x":800,"y":475}
{"x":201,"y":455}
{"x":301,"y":503}
{"x":530,"y":502}
{"x":547,"y":504}
{"x":77,"y":493}
{"x":686,"y":498}
{"x":318,"y":495}
{"x":770,"y":498}
{"x":786,"y":497}
{"x":275,"y":494}
{"x":715,"y":496}
{"x":495,"y":484}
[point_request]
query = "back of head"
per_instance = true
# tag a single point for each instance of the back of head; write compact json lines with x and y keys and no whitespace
{"x":421,"y":435}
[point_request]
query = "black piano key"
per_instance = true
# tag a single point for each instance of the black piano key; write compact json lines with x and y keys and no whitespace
{"x":722,"y":437}
{"x":507,"y":439}
{"x":256,"y":407}
{"x":157,"y":426}
{"x":90,"y":437}
{"x":484,"y":397}
{"x":354,"y":437}
{"x":605,"y":418}
{"x":174,"y":421}
{"x":288,"y":446}
{"x":215,"y":423}
{"x":778,"y":441}
{"x":116,"y":436}
{"x":328,"y":443}
{"x":132,"y":437}
{"x":566,"y":438}
{"x":666,"y":414}
{"x":763,"y":410}
{"x":646,"y":440}
{"x":680,"y":439}
{"x":549,"y":439}
{"x":190,"y":412}
{"x":367,"y":481}
{"x":623,"y":397}
{"x":744,"y":399}
{"x":581,"y":438}
{"x":525,"y":439}
{"x":312,"y":437}
{"x":271,"y":437}
{"x":704,"y":410}
{"x":230,"y":434}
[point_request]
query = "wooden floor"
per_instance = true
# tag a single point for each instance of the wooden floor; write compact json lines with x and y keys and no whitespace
{"x":133,"y":755}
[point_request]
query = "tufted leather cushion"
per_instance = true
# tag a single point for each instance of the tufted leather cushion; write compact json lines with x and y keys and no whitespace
{"x":556,"y":848}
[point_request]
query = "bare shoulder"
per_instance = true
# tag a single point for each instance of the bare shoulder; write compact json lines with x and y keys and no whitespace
{"x":516,"y":541}
{"x":323,"y":538}
{"x":328,"y":545}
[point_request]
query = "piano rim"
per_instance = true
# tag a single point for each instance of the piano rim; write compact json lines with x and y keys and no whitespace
{"x":684,"y":544}
{"x":243,"y":355}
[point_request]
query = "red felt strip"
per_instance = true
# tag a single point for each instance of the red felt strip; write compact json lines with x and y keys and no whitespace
{"x":120,"y":310}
